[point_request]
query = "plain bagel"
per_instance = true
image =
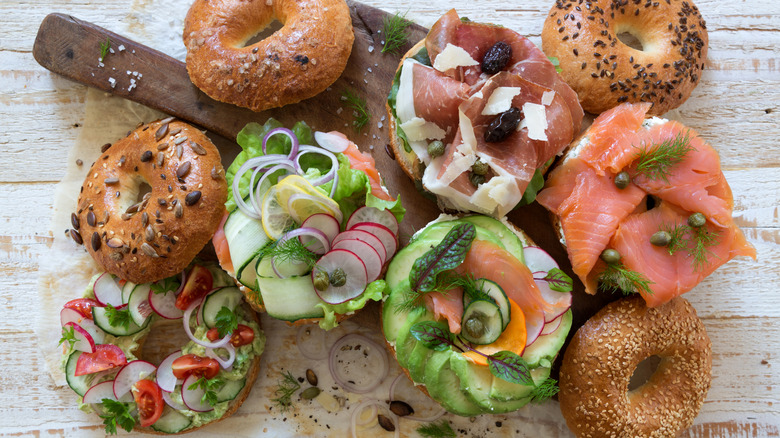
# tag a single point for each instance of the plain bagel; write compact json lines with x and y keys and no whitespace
{"x":298,"y":61}
{"x":606,"y":72}
{"x":157,"y":236}
{"x":605,"y":351}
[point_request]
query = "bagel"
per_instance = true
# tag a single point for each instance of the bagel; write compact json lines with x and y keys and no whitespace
{"x":90,"y":324}
{"x":298,"y":61}
{"x":154,"y":236}
{"x":459,"y":379}
{"x":605,"y":72}
{"x":605,"y":351}
{"x":441,"y":93}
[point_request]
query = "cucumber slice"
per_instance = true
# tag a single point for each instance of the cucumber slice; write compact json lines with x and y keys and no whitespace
{"x":230,"y":390}
{"x":482,"y":322}
{"x":248,"y":274}
{"x":229,"y":297}
{"x":286,"y":269}
{"x":494,"y":291}
{"x":172,"y":421}
{"x":127,"y":289}
{"x":79,"y":384}
{"x":245,"y":237}
{"x":138,"y":310}
{"x":100,"y":316}
{"x":290,"y":299}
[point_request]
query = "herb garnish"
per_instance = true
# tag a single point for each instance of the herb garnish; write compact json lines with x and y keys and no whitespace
{"x":394,"y":29}
{"x":618,"y":277}
{"x":441,"y":429}
{"x":69,"y":336}
{"x":290,"y":251}
{"x":445,"y":256}
{"x":285,"y":390}
{"x":695,"y":240}
{"x":505,"y":365}
{"x":104,"y":48}
{"x":209,"y":387}
{"x":359,"y":108}
{"x":544,"y":391}
{"x":170,"y":284}
{"x":556,"y":63}
{"x":655,"y":161}
{"x":558,"y":280}
{"x":118,"y":317}
{"x":117,"y":413}
{"x":225,"y":321}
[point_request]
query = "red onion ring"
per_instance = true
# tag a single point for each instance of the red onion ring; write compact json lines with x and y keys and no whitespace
{"x":183,"y":282}
{"x":173,"y":403}
{"x":224,"y":363}
{"x":299,"y":341}
{"x":288,"y":133}
{"x":376,"y":404}
{"x":255,"y":196}
{"x":332,"y":173}
{"x":302,"y":231}
{"x":351,"y":387}
{"x":428,"y":419}
{"x":187,"y":314}
{"x":251,"y":164}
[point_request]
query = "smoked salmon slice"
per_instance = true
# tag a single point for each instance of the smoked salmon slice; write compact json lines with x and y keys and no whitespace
{"x":614,"y":137}
{"x":364,"y":162}
{"x":448,"y":305}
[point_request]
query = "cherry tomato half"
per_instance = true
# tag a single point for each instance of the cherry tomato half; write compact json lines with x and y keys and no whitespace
{"x":190,"y":364}
{"x":82,"y":305}
{"x":243,"y":335}
{"x":105,"y":357}
{"x":199,"y":283}
{"x":148,"y":397}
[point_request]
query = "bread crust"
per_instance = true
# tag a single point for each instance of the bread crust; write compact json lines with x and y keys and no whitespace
{"x":298,"y":61}
{"x":158,"y":237}
{"x":606,"y":72}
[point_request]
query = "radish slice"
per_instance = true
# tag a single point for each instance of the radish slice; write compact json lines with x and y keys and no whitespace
{"x":382,"y":233}
{"x":165,"y":378}
{"x":129,"y":374}
{"x":319,"y":240}
{"x":323,"y":222}
{"x":375,"y":215}
{"x":332,"y":142}
{"x":84,"y":341}
{"x":193,"y":397}
{"x":173,"y":403}
{"x":107,"y":291}
{"x":139,"y":304}
{"x":68,"y":315}
{"x":534,"y":324}
{"x":552,"y":325}
{"x":366,"y":237}
{"x":369,"y":256}
{"x":537,"y":259}
{"x":561,"y":301}
{"x":97,"y":393}
{"x":354,"y":270}
{"x":164,"y":304}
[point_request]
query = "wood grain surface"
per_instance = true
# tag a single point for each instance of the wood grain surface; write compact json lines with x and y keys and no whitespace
{"x":735,"y":108}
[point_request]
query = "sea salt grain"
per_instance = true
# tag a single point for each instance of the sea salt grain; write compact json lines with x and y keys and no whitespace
{"x":112,"y":81}
{"x":370,"y":49}
{"x":121,"y":47}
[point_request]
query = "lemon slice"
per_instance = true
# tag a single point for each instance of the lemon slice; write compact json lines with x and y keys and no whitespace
{"x":301,"y":206}
{"x":274,"y":216}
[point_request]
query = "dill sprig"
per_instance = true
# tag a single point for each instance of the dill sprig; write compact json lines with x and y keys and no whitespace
{"x":359,"y":108}
{"x":104,"y":48}
{"x":394,"y":30}
{"x":285,"y":390}
{"x":695,"y":240}
{"x":619,"y":278}
{"x":545,"y":391}
{"x":444,"y":283}
{"x":655,"y":161}
{"x":441,"y":429}
{"x":290,"y":251}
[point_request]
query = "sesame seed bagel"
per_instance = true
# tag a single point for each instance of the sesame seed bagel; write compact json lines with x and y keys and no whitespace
{"x":606,"y":72}
{"x":298,"y":61}
{"x":145,"y":238}
{"x":605,"y":351}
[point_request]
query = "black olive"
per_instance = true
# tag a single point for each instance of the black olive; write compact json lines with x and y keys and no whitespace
{"x":661,"y":238}
{"x":697,"y":220}
{"x":503,"y":125}
{"x":610,"y":256}
{"x":496,"y":58}
{"x":622,"y":180}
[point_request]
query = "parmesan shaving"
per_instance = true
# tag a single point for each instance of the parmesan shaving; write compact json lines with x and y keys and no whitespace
{"x":547,"y":97}
{"x":501,"y":100}
{"x":535,"y":120}
{"x":418,"y":129}
{"x":453,"y":56}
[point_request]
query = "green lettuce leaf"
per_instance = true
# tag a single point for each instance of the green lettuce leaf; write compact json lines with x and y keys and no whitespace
{"x":375,"y":291}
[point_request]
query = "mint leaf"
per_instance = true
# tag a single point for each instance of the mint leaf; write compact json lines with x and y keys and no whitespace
{"x":445,"y":256}
{"x":510,"y":367}
{"x":117,"y":413}
{"x":433,"y":335}
{"x":558,"y":280}
{"x":226,"y":321}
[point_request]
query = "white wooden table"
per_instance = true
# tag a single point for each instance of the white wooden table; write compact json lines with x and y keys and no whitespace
{"x":736,"y":107}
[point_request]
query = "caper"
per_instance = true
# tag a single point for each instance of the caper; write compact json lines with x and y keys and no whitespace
{"x":697,"y":220}
{"x":321,"y":280}
{"x":661,"y":238}
{"x":610,"y":256}
{"x":474,"y":326}
{"x":338,"y":277}
{"x":622,"y":180}
{"x":436,"y":148}
{"x":310,"y":393}
{"x":480,"y":167}
{"x":476,"y":179}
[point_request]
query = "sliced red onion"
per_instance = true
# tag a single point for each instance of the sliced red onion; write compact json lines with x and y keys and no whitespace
{"x":376,"y":405}
{"x":349,"y":382}
{"x":165,"y":378}
{"x":302,"y":232}
{"x":187,"y":314}
{"x":247,"y":166}
{"x":332,"y":142}
{"x":431,"y":418}
{"x":314,"y":349}
{"x":224,"y":363}
{"x":183,"y":282}
{"x":256,"y":196}
{"x":173,"y":403}
{"x":288,"y":133}
{"x":332,"y":173}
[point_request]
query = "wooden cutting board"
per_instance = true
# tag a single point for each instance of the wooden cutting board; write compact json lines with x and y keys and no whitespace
{"x":71,"y":47}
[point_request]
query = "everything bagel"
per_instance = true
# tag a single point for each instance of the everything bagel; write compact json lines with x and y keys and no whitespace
{"x":606,"y":72}
{"x":297,"y":62}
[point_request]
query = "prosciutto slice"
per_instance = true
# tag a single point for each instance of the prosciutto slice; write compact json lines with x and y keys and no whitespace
{"x":436,"y":96}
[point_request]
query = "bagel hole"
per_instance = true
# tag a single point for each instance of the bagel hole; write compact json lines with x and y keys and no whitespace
{"x":163,"y":339}
{"x":264,"y":33}
{"x":643,"y":372}
{"x":143,"y":188}
{"x":630,"y":40}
